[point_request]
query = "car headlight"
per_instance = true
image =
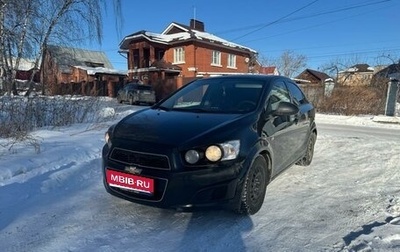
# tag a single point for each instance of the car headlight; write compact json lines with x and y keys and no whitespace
{"x":213,"y":153}
{"x":192,"y":156}
{"x":231,"y":150}
{"x":107,"y":139}
{"x":108,"y":135}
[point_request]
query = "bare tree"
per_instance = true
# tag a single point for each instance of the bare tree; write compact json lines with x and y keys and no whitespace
{"x":25,"y":15}
{"x":387,"y":58}
{"x":290,"y":63}
{"x":388,"y":67}
{"x":27,"y":27}
{"x":266,"y":61}
{"x":4,"y":5}
{"x":15,"y":18}
{"x":66,"y":17}
{"x":333,"y":68}
{"x":339,"y":65}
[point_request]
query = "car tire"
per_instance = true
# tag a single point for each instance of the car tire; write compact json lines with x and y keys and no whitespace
{"x":131,"y":100}
{"x":308,"y":157}
{"x":119,"y":99}
{"x":254,"y":188}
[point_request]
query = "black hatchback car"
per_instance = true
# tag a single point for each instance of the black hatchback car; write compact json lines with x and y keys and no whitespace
{"x":136,"y":93}
{"x":215,"y":141}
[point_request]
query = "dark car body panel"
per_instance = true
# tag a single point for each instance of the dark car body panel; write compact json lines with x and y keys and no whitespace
{"x":151,"y":143}
{"x":161,"y":127}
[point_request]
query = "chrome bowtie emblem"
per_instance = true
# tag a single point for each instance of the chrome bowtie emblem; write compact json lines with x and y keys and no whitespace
{"x":133,"y":169}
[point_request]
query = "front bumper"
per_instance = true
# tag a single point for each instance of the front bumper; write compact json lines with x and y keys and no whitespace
{"x":179,"y":186}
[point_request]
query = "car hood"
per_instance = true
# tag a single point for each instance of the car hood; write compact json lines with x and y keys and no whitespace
{"x":175,"y":127}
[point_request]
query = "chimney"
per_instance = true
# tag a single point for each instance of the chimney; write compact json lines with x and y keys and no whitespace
{"x":196,"y":25}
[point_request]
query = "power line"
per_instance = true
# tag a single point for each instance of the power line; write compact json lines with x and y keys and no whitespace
{"x":285,"y":19}
{"x":276,"y":21}
{"x":357,"y":52}
{"x":370,"y":51}
{"x":377,"y":50}
{"x":335,"y":11}
{"x":368,"y":56}
{"x":321,"y":47}
{"x":312,"y":26}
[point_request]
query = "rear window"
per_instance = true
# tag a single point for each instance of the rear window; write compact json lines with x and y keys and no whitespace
{"x":138,"y":87}
{"x":144,"y":87}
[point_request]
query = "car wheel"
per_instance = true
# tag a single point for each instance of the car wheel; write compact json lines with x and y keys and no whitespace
{"x":308,"y":157}
{"x":119,"y":99}
{"x":254,"y":188}
{"x":131,"y":100}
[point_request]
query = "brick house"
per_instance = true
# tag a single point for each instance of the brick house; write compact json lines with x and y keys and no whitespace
{"x":67,"y":70}
{"x":357,"y":75}
{"x":182,"y":53}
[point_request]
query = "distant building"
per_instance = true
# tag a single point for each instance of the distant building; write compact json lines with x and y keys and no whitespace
{"x":77,"y":71}
{"x":357,"y":75}
{"x":315,"y":84}
{"x":385,"y":74}
{"x":23,"y":73}
{"x":382,"y":77}
{"x":310,"y":76}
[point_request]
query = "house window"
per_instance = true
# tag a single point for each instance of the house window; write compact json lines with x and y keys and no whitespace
{"x":179,"y":55}
{"x":216,"y":58}
{"x":231,"y":61}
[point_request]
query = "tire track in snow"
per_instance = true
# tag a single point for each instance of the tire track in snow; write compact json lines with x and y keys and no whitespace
{"x":38,"y":211}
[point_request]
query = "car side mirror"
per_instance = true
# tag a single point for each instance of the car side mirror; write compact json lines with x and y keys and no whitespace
{"x":286,"y":109}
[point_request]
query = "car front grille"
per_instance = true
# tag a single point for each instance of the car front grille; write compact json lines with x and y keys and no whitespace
{"x":147,"y":160}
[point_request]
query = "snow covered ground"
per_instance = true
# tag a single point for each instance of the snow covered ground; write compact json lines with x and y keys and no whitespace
{"x":347,"y":200}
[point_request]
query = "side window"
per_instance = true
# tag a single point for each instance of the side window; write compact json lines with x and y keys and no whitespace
{"x":297,"y":94}
{"x":279,"y":93}
{"x":216,"y":58}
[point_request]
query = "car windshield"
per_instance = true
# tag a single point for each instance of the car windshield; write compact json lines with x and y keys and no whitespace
{"x":219,"y":95}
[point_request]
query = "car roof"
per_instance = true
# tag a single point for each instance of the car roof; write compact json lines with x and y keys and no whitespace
{"x":252,"y":76}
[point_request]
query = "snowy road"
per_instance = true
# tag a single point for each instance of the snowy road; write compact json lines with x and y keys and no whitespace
{"x":55,"y":201}
{"x":351,"y":130}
